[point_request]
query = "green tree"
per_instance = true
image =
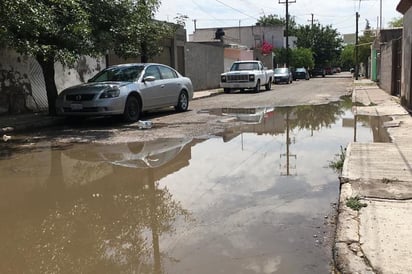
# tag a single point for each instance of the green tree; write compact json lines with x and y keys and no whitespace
{"x":396,"y":22}
{"x":275,"y":20}
{"x":364,"y":47}
{"x":347,"y":57}
{"x":61,"y":31}
{"x":299,"y":57}
{"x":324,"y":41}
{"x":302,"y":57}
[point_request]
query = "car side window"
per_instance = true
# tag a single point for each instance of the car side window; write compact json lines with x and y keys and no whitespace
{"x":152,"y":71}
{"x":167,"y":73}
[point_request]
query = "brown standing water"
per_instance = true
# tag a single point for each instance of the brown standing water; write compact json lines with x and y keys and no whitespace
{"x":258,"y":199}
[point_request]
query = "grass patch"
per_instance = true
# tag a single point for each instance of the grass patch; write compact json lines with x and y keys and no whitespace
{"x":355,"y":203}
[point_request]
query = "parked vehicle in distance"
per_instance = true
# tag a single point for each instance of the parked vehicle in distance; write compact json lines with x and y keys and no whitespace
{"x":301,"y":73}
{"x":127,"y":90}
{"x":282,"y":75}
{"x":317,"y":71}
{"x":246,"y":75}
{"x":328,"y":71}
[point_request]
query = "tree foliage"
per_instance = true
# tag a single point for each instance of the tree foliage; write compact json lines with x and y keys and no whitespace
{"x":302,"y":57}
{"x":324,"y":41}
{"x":396,"y":22}
{"x":364,"y":44}
{"x":298,"y":57}
{"x":275,"y":20}
{"x":347,"y":57}
{"x":60,"y":30}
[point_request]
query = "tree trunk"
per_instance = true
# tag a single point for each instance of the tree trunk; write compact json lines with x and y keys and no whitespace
{"x":47,"y":66}
{"x":144,"y":58}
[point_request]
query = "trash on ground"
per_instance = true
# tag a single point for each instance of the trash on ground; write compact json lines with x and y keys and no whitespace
{"x":6,"y":137}
{"x":144,"y":124}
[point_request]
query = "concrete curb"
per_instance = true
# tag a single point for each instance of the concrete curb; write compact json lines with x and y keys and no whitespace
{"x":33,"y":121}
{"x":378,"y":174}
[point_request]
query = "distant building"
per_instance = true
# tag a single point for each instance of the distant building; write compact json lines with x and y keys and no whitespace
{"x":349,"y":39}
{"x":250,"y":36}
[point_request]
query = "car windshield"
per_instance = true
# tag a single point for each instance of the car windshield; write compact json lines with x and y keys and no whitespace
{"x":121,"y":73}
{"x":281,"y":70}
{"x":245,"y":66}
{"x":300,"y":70}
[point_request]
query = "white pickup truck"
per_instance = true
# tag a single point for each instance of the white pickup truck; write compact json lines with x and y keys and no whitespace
{"x":246,"y":75}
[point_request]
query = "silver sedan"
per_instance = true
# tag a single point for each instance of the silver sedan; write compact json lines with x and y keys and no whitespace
{"x":127,"y":90}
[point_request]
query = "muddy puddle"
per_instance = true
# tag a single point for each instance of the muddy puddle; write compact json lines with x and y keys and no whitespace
{"x":260,"y":198}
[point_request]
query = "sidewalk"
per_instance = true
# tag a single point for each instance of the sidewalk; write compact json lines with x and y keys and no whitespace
{"x":377,"y":177}
{"x":32,"y":121}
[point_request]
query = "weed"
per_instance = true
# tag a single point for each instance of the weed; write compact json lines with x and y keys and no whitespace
{"x":386,"y":180}
{"x":337,"y":164}
{"x":355,"y":203}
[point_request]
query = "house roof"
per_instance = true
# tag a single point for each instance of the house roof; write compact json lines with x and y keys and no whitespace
{"x":404,"y":6}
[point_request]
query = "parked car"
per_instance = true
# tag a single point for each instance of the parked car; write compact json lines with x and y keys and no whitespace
{"x":249,"y":74}
{"x":317,"y":71}
{"x":283,"y":75}
{"x":301,"y":73}
{"x":127,"y":90}
{"x":328,"y":71}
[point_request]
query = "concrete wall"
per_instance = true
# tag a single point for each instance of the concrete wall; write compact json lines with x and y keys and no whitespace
{"x":204,"y":64}
{"x":22,"y":87}
{"x":251,"y":36}
{"x":172,"y":55}
{"x":406,"y":84}
{"x":386,"y":67}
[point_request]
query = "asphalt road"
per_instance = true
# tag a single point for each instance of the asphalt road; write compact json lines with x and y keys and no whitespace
{"x":197,"y":122}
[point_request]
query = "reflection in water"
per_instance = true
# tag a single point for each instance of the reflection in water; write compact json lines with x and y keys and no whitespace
{"x":180,"y":205}
{"x":86,"y":212}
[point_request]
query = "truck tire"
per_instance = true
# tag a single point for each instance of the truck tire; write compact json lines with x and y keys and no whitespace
{"x":268,"y":86}
{"x":257,"y":87}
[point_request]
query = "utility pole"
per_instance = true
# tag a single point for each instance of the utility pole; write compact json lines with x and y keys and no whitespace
{"x":287,"y":2}
{"x":380,"y":19}
{"x":356,"y":48}
{"x":312,"y":20}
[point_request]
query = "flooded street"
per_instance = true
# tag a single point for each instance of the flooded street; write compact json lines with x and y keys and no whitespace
{"x":259,"y":198}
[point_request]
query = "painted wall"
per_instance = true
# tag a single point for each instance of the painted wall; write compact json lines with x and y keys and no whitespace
{"x":22,"y":87}
{"x":236,"y":54}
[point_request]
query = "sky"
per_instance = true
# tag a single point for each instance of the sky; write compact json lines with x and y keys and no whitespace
{"x":229,"y":13}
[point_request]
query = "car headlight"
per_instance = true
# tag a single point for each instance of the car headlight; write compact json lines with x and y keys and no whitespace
{"x":110,"y":93}
{"x":223,"y":78}
{"x":251,"y":77}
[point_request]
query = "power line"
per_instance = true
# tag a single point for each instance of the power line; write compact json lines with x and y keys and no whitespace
{"x":224,"y":4}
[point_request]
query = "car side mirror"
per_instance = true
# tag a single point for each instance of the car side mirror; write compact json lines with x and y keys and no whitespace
{"x":149,"y":79}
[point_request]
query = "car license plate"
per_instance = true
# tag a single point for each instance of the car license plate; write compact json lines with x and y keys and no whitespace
{"x":76,"y":106}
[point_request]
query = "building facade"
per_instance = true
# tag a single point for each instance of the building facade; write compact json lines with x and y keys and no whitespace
{"x":405,"y":7}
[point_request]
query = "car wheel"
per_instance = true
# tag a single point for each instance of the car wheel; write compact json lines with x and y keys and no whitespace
{"x":257,"y":87}
{"x":183,"y":102}
{"x":226,"y":90}
{"x":131,"y":110}
{"x":268,"y":86}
